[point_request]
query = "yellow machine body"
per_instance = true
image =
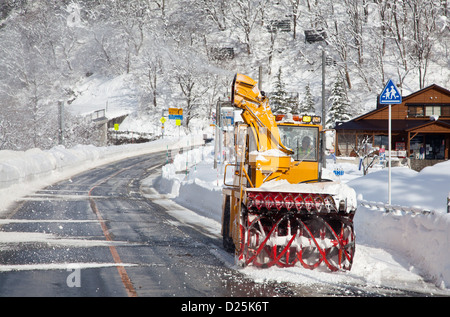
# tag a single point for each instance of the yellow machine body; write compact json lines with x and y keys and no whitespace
{"x":267,"y":150}
{"x":286,"y":153}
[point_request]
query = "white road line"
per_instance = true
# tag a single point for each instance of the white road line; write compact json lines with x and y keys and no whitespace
{"x":59,"y":266}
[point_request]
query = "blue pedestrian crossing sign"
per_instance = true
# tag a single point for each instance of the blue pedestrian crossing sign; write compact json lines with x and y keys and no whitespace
{"x":391,"y":94}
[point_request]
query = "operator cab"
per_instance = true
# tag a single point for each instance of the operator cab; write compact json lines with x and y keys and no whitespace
{"x":301,"y":134}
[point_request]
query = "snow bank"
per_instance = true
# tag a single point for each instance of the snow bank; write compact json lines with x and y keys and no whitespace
{"x":423,"y":239}
{"x":419,"y":242}
{"x":22,"y":172}
{"x":427,"y":189}
{"x":191,"y":180}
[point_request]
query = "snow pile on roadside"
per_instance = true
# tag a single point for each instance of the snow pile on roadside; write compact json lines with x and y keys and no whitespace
{"x":201,"y":186}
{"x":422,"y":238}
{"x":22,"y":172}
{"x":426,"y":190}
{"x":421,"y":241}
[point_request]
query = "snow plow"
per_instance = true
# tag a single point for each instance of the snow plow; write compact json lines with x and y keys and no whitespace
{"x":278,"y":210}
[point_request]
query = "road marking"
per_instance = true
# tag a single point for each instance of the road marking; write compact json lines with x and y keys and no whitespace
{"x":126,"y":281}
{"x":48,"y":197}
{"x":9,"y":221}
{"x":57,"y":266}
{"x":16,"y":237}
{"x":120,"y":268}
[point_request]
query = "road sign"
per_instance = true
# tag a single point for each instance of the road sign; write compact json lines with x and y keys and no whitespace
{"x":227,"y":116}
{"x":390,"y":95}
{"x":116,"y":126}
{"x":162,"y":120}
{"x":176,"y":113}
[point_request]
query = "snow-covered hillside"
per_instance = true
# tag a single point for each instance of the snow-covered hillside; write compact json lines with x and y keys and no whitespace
{"x":117,"y":96}
{"x":173,"y":55}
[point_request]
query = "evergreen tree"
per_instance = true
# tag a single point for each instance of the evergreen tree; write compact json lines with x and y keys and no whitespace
{"x":278,"y":98}
{"x":340,"y":105}
{"x":307,"y":105}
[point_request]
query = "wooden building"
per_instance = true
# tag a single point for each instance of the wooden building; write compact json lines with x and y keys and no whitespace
{"x":422,"y":120}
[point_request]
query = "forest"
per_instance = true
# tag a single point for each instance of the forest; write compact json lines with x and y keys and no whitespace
{"x":184,"y":53}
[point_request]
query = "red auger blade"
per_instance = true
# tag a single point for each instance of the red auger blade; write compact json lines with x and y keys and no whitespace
{"x":288,"y":239}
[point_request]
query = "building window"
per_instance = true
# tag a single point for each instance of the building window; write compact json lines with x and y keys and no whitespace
{"x":426,"y":110}
{"x":445,"y":111}
{"x":380,"y":140}
{"x":416,"y":111}
{"x":432,"y":111}
{"x":346,"y":143}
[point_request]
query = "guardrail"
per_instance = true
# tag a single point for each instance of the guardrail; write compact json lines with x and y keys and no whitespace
{"x":99,"y":114}
{"x":396,"y":208}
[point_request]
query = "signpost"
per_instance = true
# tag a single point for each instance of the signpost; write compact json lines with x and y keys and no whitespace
{"x":390,"y":95}
{"x":162,"y":120}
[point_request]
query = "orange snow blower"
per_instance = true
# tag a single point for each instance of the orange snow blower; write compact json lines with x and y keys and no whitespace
{"x":278,"y":210}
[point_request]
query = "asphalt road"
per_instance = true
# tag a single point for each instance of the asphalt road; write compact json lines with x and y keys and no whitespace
{"x":96,"y":235}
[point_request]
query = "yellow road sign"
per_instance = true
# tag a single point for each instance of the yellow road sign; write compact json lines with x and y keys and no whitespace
{"x":176,"y":111}
{"x":162,"y":120}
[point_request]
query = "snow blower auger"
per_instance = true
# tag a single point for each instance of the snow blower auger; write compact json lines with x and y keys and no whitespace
{"x":278,"y":210}
{"x":284,"y":229}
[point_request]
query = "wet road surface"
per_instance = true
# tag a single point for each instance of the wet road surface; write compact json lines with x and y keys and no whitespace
{"x":96,"y":235}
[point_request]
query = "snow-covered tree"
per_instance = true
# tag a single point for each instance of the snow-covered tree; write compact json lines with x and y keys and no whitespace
{"x":47,"y":48}
{"x":339,"y":104}
{"x":245,"y":15}
{"x":278,"y":97}
{"x":307,"y":105}
{"x":216,"y":11}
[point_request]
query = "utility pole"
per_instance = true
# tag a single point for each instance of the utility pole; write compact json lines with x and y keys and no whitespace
{"x":324,"y":159}
{"x":217,"y":139}
{"x":61,"y":122}
{"x":260,"y":77}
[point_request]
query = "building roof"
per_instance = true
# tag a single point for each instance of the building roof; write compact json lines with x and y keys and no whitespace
{"x":443,"y":124}
{"x":366,"y":122}
{"x":381,"y":107}
{"x":434,"y":86}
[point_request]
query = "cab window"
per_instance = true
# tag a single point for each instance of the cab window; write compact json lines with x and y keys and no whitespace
{"x":302,"y":140}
